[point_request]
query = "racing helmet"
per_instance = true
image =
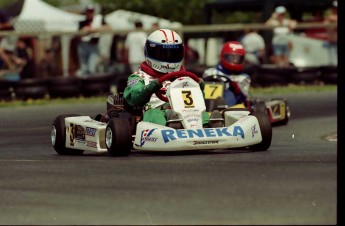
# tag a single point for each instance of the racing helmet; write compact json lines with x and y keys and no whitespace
{"x":232,"y":56}
{"x":164,"y":51}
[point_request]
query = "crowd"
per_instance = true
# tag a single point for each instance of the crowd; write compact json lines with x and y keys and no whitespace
{"x":93,"y":52}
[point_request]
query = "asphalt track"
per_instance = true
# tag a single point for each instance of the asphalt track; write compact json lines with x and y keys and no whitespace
{"x":293,"y":183}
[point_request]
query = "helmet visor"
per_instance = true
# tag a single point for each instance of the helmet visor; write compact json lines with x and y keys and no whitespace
{"x":171,"y":53}
{"x":234,"y":58}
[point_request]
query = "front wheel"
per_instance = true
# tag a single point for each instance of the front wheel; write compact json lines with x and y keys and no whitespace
{"x":58,"y":136}
{"x":118,"y":137}
{"x":266,"y":131}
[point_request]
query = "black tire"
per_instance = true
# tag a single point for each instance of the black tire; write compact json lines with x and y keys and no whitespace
{"x":64,"y":87}
{"x":34,"y":88}
{"x":266,"y":131}
{"x":64,"y":91}
{"x":60,"y":136}
{"x":305,"y":75}
{"x":270,"y":74}
{"x":259,"y":106}
{"x":96,"y":85}
{"x":329,"y":74}
{"x":96,"y":89}
{"x":5,"y":90}
{"x":119,"y":137}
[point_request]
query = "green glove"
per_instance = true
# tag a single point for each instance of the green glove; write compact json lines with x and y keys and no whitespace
{"x":153,"y":86}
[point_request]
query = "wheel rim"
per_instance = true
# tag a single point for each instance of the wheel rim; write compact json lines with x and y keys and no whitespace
{"x":53,"y":135}
{"x":108,"y":137}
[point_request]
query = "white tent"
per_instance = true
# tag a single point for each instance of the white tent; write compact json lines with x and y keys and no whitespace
{"x":38,"y":16}
{"x":123,"y":19}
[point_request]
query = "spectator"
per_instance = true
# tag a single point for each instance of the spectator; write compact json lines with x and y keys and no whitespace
{"x":254,"y":44}
{"x":333,"y":33}
{"x":47,"y":66}
{"x":135,"y":44}
{"x":88,"y":51}
{"x":318,"y":32}
{"x":8,"y":45}
{"x":281,"y":44}
{"x":25,"y":53}
{"x":191,"y":55}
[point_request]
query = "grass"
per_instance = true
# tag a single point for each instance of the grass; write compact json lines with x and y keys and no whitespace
{"x":102,"y":99}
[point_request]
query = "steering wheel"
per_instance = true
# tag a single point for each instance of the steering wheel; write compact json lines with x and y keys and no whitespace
{"x":176,"y":74}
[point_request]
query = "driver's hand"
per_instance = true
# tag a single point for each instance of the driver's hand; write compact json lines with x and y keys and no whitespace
{"x":153,"y":86}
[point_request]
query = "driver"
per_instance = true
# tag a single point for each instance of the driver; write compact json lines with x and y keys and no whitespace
{"x":231,"y":66}
{"x":164,"y":53}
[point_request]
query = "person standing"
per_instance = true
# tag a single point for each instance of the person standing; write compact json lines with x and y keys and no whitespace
{"x":283,"y":27}
{"x":8,"y":44}
{"x":135,"y":44}
{"x":88,"y":51}
{"x":254,"y":44}
{"x":332,"y":18}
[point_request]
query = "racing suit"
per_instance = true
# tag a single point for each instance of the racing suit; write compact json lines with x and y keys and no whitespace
{"x":140,"y":91}
{"x":236,"y":91}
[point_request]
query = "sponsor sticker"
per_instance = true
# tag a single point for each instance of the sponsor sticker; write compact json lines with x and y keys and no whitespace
{"x":133,"y":82}
{"x":71,"y":134}
{"x":254,"y":130}
{"x":79,"y":132}
{"x":146,"y":136}
{"x":91,"y":144}
{"x":171,"y":134}
{"x":205,"y":142}
{"x":90,"y":131}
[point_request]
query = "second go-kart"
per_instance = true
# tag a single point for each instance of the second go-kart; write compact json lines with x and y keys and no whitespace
{"x":277,"y":109}
{"x":121,"y":129}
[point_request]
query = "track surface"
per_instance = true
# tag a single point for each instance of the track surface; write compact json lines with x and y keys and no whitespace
{"x":294,"y":182}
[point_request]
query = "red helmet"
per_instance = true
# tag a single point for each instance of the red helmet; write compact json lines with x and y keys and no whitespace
{"x":232,"y":56}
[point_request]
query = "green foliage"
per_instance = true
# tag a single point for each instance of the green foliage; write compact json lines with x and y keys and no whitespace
{"x":4,"y":3}
{"x":186,"y":12}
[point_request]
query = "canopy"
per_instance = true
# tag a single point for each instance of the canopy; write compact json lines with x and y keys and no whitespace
{"x":38,"y":16}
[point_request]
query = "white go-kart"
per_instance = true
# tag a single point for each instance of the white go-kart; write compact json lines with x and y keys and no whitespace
{"x":121,"y":129}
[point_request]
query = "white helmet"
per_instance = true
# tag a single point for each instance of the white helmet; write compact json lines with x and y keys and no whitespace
{"x":164,"y":51}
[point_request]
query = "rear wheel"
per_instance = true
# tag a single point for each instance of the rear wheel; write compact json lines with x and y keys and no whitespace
{"x":266,"y":131}
{"x":58,"y":136}
{"x":259,"y":105}
{"x":118,"y":137}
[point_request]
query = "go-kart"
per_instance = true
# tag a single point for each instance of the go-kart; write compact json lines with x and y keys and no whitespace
{"x":121,"y":128}
{"x":277,"y":108}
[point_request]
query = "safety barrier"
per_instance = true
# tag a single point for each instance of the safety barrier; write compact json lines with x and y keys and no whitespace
{"x":100,"y":84}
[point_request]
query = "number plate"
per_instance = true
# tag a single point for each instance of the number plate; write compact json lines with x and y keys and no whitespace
{"x":213,"y":90}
